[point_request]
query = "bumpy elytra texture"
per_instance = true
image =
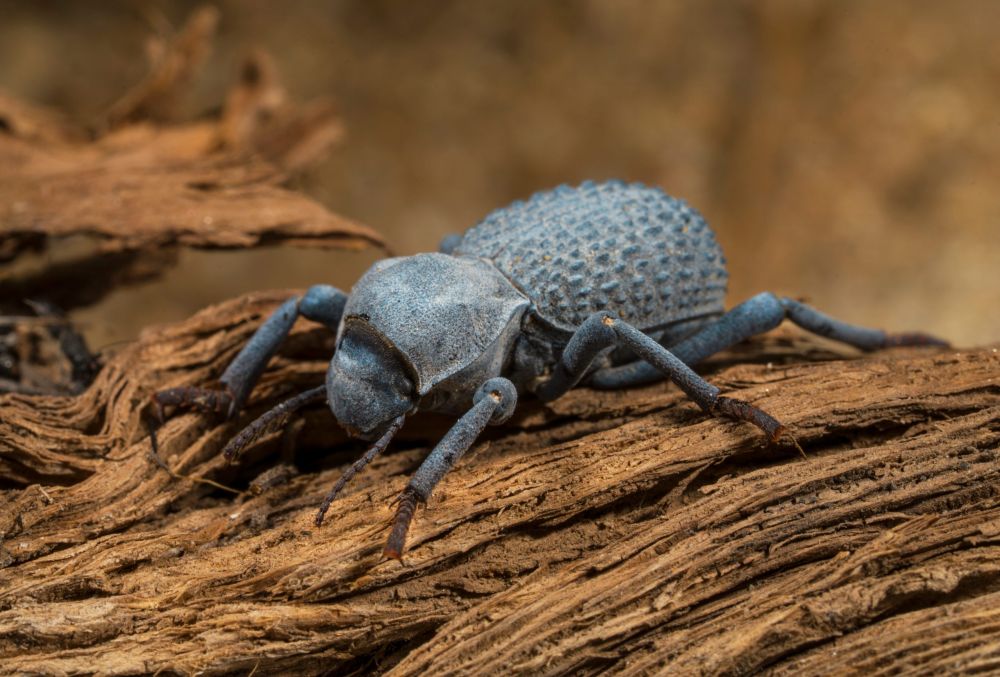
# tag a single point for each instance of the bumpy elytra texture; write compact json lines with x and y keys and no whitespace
{"x":626,"y":248}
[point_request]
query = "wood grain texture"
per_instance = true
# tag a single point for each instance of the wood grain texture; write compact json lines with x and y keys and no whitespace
{"x":620,"y":531}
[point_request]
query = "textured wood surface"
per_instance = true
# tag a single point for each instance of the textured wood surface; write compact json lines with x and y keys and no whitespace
{"x":622,"y":531}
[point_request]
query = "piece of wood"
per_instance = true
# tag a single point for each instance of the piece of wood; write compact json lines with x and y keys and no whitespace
{"x":145,"y":187}
{"x":140,"y":184}
{"x":619,"y":531}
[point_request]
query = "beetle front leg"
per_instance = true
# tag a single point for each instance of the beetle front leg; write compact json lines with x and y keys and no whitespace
{"x":493,"y":403}
{"x":321,"y":303}
{"x":602,"y":330}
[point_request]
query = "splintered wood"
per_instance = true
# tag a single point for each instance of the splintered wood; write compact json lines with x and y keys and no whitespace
{"x":619,"y":531}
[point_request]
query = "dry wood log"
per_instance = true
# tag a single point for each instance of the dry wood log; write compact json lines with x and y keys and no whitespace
{"x":619,"y":531}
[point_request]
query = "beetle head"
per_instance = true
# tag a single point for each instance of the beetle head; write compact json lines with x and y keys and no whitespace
{"x":367,"y":384}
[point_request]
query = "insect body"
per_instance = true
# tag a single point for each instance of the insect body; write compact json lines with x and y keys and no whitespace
{"x":615,"y":283}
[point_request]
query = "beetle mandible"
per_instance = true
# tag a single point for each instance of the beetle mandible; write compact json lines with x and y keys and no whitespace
{"x":612,"y":284}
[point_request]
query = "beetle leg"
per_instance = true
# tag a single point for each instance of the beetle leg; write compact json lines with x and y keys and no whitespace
{"x":756,"y":315}
{"x":602,"y":330}
{"x":321,"y":303}
{"x":494,"y":403}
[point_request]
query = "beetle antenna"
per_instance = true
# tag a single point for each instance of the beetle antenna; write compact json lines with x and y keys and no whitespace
{"x":270,"y":420}
{"x":359,"y":465}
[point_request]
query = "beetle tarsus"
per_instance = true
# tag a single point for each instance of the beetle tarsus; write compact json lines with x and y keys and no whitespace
{"x":744,"y":411}
{"x":914,"y":338}
{"x":272,"y":477}
{"x":192,"y":397}
{"x":407,"y":505}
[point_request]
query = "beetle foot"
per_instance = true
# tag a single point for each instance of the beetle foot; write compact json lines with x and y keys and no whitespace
{"x":192,"y":397}
{"x":404,"y":515}
{"x":914,"y":338}
{"x":184,"y":397}
{"x":795,"y":443}
{"x":744,"y":411}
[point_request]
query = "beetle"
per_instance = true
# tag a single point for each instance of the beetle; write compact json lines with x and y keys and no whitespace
{"x":611,"y":284}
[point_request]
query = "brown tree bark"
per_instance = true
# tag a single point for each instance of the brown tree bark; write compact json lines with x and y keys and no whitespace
{"x":620,"y":531}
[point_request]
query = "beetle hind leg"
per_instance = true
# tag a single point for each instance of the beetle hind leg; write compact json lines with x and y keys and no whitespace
{"x":754,"y":316}
{"x":862,"y":338}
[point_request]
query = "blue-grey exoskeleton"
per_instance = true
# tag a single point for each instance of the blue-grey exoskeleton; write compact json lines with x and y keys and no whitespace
{"x":612,"y":284}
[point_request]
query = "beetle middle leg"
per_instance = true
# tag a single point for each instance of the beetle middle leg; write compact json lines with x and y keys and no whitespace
{"x":602,"y":330}
{"x":321,"y":303}
{"x":757,"y":315}
{"x":494,"y":403}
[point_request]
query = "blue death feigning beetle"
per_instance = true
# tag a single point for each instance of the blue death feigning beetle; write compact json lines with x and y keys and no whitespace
{"x":608,"y":284}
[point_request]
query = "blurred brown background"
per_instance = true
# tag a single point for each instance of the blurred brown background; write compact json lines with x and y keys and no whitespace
{"x":845,"y":151}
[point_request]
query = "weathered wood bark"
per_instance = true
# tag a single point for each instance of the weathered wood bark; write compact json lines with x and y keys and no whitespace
{"x":621,"y":531}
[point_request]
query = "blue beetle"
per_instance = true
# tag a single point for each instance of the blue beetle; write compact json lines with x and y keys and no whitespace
{"x":612,"y":283}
